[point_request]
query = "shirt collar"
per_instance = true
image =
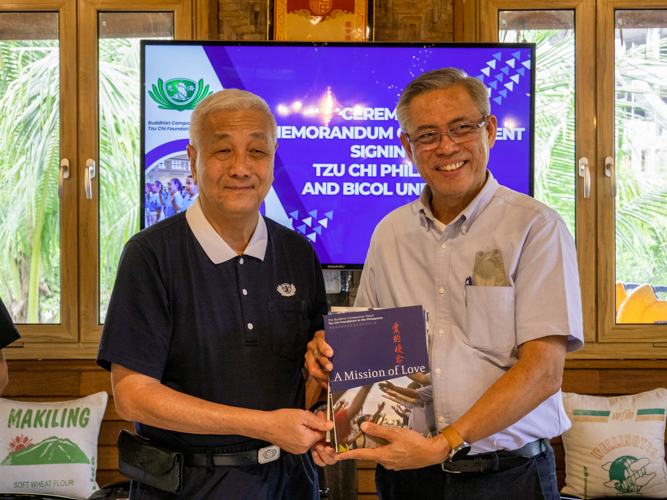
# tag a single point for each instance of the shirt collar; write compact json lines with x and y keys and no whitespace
{"x":482,"y":199}
{"x":473,"y":209}
{"x":215,"y":247}
{"x":424,"y":205}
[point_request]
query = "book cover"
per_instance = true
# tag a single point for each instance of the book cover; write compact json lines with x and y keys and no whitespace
{"x":380,"y":373}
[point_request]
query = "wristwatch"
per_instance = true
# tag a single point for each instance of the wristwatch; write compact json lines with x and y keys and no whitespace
{"x":458,"y":445}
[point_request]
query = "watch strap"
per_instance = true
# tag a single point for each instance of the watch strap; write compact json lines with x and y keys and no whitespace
{"x":318,"y":407}
{"x":452,"y":436}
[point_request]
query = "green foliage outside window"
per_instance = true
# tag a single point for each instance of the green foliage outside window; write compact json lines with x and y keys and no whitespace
{"x":641,"y":96}
{"x":641,"y":122}
{"x":119,"y":155}
{"x":29,"y":164}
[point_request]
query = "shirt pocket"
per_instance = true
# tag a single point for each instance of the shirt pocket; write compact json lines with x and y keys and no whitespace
{"x":490,"y":318}
{"x":289,"y":327}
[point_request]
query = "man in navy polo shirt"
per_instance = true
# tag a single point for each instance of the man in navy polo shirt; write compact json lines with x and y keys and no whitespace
{"x":8,"y":334}
{"x":209,"y":320}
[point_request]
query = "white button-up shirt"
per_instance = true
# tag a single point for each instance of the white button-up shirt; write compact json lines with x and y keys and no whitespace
{"x":475,"y":331}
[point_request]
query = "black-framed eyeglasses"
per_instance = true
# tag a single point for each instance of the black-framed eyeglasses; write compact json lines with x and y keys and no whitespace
{"x":430,"y":139}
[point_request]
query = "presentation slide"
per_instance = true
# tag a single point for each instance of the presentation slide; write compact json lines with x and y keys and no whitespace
{"x":340,"y":166}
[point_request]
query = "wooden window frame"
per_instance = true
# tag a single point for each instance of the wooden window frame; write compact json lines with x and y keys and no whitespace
{"x":78,"y":334}
{"x":594,"y":81}
{"x":67,"y":329}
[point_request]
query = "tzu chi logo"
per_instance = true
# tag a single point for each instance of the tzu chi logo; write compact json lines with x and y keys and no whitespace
{"x":179,"y":94}
{"x":286,"y":290}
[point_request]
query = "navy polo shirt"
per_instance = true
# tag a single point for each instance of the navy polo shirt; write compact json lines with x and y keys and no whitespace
{"x":8,"y":332}
{"x":190,"y":312}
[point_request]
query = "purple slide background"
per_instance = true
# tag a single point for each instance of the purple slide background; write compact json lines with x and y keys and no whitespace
{"x":370,"y":77}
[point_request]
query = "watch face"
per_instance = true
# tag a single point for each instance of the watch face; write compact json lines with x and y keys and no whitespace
{"x":460,"y":451}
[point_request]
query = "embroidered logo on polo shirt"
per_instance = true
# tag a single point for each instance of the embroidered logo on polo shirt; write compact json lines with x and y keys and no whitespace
{"x":286,"y":290}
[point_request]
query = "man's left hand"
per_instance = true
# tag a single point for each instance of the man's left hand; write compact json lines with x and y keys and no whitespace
{"x":407,"y":449}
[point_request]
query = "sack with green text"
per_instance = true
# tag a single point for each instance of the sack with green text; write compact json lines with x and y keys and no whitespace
{"x":616,"y":446}
{"x":50,"y":448}
{"x":380,"y":374}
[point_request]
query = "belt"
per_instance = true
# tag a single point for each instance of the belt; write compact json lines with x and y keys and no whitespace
{"x":497,"y":460}
{"x":235,"y":459}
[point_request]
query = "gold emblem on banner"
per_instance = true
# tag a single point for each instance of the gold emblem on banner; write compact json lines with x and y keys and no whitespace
{"x":320,"y":7}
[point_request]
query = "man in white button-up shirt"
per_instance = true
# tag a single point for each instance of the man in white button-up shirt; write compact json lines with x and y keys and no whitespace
{"x":497,"y":271}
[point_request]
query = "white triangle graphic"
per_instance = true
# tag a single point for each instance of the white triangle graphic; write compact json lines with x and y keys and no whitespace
{"x":510,"y":62}
{"x":492,"y":63}
{"x":312,"y":237}
{"x":509,"y":85}
{"x":323,"y":222}
{"x":308,"y":221}
{"x":515,"y":78}
{"x":526,"y":63}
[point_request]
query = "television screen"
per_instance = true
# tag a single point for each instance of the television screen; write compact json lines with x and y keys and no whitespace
{"x":340,"y":167}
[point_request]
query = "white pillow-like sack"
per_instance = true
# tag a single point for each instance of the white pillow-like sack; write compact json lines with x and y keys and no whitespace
{"x":616,"y":445}
{"x":50,"y":448}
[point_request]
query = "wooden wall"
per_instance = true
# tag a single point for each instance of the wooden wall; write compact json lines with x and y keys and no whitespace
{"x":414,"y":21}
{"x":395,"y":20}
{"x":242,"y":19}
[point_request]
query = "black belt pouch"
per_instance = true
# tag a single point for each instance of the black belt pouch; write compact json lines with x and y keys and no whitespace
{"x":142,"y":461}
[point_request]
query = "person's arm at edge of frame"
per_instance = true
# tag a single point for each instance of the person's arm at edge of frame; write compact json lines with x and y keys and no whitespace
{"x":4,"y":372}
{"x":144,"y":399}
{"x":534,"y":378}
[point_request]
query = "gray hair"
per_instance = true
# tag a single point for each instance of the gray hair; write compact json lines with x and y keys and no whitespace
{"x":441,"y":79}
{"x":228,"y":100}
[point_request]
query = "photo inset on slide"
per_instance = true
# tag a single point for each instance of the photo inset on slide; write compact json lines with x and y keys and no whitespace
{"x":169,"y":188}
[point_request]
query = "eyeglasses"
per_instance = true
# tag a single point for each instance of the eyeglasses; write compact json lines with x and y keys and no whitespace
{"x":426,"y":141}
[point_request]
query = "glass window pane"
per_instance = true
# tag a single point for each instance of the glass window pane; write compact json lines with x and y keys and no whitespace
{"x":641,"y":165}
{"x":29,"y":166}
{"x":119,"y":131}
{"x":553,"y":32}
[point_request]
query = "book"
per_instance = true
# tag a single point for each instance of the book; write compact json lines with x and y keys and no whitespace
{"x":380,"y":373}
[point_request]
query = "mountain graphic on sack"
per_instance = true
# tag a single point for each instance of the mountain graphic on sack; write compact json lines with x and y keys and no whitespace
{"x":50,"y":447}
{"x":52,"y":450}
